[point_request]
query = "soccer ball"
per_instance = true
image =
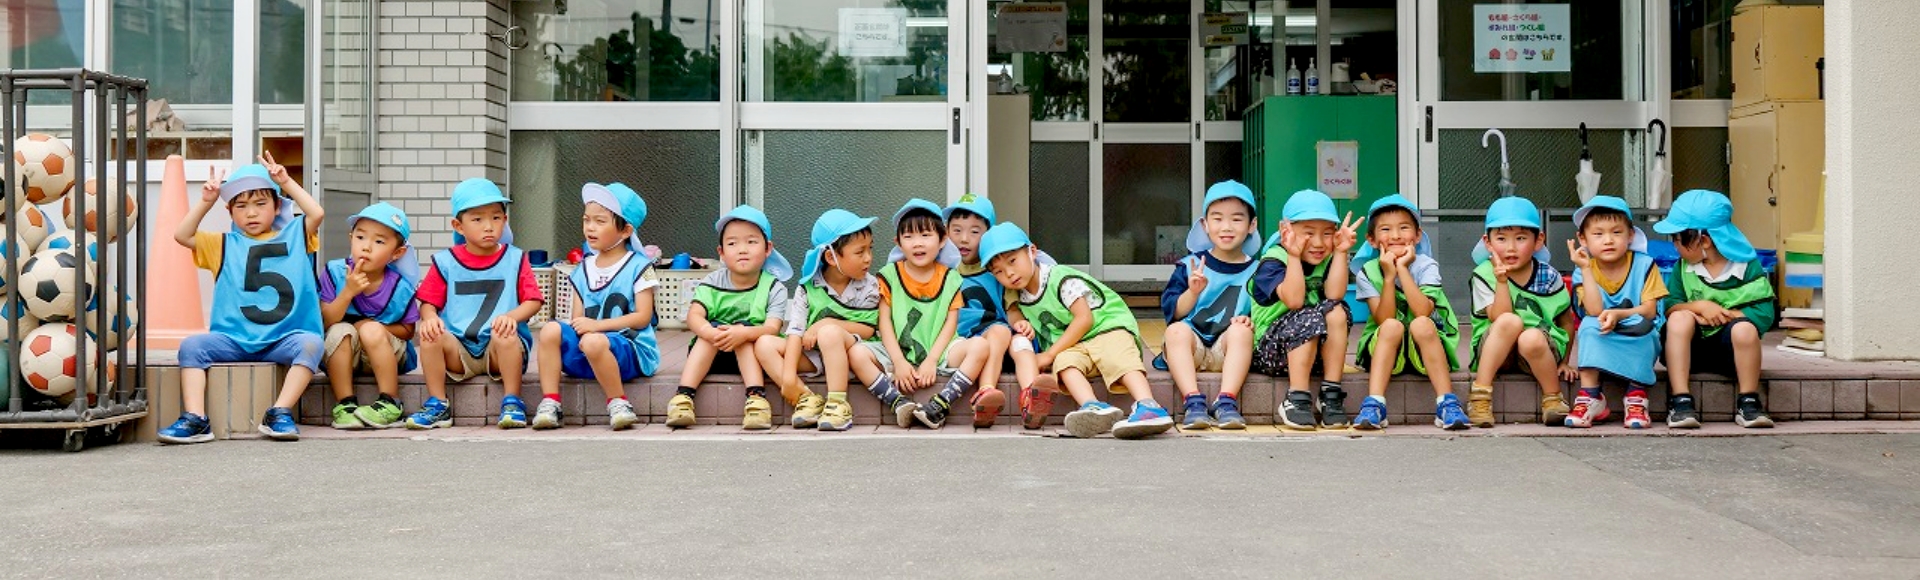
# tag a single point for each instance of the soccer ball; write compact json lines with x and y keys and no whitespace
{"x":63,"y":241}
{"x":27,"y":323}
{"x":43,"y":167}
{"x":98,"y":221}
{"x":33,"y":225}
{"x":48,"y":365}
{"x":6,"y":249}
{"x":122,"y":317}
{"x":46,"y":285}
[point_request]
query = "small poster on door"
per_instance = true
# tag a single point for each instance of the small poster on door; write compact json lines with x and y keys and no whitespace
{"x":1522,"y":38}
{"x":873,"y":32}
{"x":1339,"y":168}
{"x":1031,"y":27}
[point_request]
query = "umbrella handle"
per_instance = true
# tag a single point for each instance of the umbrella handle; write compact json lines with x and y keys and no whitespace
{"x":1662,"y":141}
{"x":1504,"y":172}
{"x":1585,"y":153}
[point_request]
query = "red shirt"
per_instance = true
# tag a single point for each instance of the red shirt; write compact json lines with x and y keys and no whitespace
{"x":433,"y":290}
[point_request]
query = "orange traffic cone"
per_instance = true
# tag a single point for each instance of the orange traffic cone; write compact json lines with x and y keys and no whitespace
{"x":173,"y":283}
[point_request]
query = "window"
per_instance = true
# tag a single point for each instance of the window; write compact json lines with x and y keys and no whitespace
{"x":614,"y":50}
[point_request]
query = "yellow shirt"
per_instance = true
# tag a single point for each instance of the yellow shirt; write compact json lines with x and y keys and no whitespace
{"x":208,"y":247}
{"x":1652,"y":292}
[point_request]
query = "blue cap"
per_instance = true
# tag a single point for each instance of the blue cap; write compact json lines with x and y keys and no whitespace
{"x":622,"y":201}
{"x":253,"y":176}
{"x":1309,"y":205}
{"x":1197,"y":238}
{"x":386,"y":214}
{"x":1639,"y":243}
{"x":832,"y":225}
{"x":1513,"y":212}
{"x":1001,"y":239}
{"x":776,"y":264}
{"x":974,"y":203}
{"x":913,"y":204}
{"x":1712,"y":212}
{"x":1368,"y":252}
{"x":476,"y":192}
{"x":1228,"y":189}
{"x":949,"y":254}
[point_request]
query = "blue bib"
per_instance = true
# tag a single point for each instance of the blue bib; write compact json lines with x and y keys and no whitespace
{"x":476,"y":297}
{"x":1630,"y":349}
{"x":397,"y":303}
{"x":1224,"y":298}
{"x":615,"y":299}
{"x":983,"y":303}
{"x":266,"y":289}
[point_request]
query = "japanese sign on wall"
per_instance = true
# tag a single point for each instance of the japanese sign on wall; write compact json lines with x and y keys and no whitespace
{"x":1339,"y":168}
{"x":1224,"y":29}
{"x":1524,"y":38}
{"x":873,"y":32}
{"x":1031,"y":27}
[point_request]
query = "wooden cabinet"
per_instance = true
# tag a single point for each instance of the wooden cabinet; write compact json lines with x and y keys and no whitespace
{"x":1774,"y":52}
{"x":1779,"y":151}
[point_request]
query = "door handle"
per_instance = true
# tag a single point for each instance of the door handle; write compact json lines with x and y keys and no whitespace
{"x":956,"y":125}
{"x":1196,"y":131}
{"x":1429,"y":123}
{"x":1096,"y":131}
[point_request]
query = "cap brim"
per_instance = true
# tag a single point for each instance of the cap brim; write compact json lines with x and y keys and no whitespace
{"x":1512,"y":223}
{"x":1315,"y":216}
{"x":245,"y":184}
{"x":485,"y":201}
{"x":1669,"y":227}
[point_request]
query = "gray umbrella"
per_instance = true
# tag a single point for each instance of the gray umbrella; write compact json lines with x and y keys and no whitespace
{"x":1506,"y":171}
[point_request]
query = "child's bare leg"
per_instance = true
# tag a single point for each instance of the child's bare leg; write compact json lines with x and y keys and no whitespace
{"x":1027,"y":371}
{"x":510,"y":360}
{"x":296,"y":384}
{"x":973,"y":358}
{"x":1746,"y":356}
{"x":1077,"y":386}
{"x":606,"y":368}
{"x":1537,"y":350}
{"x":699,"y":361}
{"x":1680,"y":328}
{"x":751,"y":375}
{"x":340,"y":371}
{"x":193,"y":391}
{"x":1386,"y":351}
{"x":1497,"y":345}
{"x":998,"y":337}
{"x":836,"y":355}
{"x":377,"y":342}
{"x":1137,"y":387}
{"x":1433,"y":354}
{"x":548,"y":343}
{"x":1333,"y":352}
{"x":1300,"y":366}
{"x":861,"y":362}
{"x":771,"y":352}
{"x":1179,"y":355}
{"x":1239,"y":359}
{"x":309,"y":348}
{"x":435,"y":358}
{"x":1590,"y":379}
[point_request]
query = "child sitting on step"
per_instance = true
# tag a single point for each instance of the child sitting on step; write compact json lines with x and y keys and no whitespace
{"x":610,"y":338}
{"x":1722,"y":302}
{"x":366,"y":301}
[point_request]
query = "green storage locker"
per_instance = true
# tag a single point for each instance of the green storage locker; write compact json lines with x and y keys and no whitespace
{"x":1280,"y":148}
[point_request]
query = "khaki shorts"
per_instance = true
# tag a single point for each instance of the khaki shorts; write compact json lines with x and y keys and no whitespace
{"x":1110,"y":355}
{"x":345,"y":334}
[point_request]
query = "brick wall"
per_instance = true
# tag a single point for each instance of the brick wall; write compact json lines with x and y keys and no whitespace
{"x":441,"y":106}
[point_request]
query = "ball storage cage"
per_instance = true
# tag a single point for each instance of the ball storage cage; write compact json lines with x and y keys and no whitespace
{"x":101,"y":103}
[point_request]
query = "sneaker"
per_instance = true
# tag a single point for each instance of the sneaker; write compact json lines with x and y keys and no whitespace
{"x":513,"y":413}
{"x":903,"y":410}
{"x":1480,"y":406}
{"x":1553,"y":409}
{"x":1226,"y":414}
{"x":344,"y":418}
{"x":1448,"y":415}
{"x":620,"y":414}
{"x":1092,"y":419}
{"x":806,"y":411}
{"x":278,"y":425}
{"x":1195,"y":416}
{"x":548,"y":415}
{"x":758,"y":414}
{"x":1637,"y":413}
{"x":1148,"y":419}
{"x":1749,"y":413}
{"x":930,"y":415}
{"x":1035,"y":406}
{"x":433,"y":414}
{"x":1333,"y":408}
{"x":1296,"y":412}
{"x":986,"y":407}
{"x":1372,"y":417}
{"x":680,"y":412}
{"x":1681,"y":413}
{"x":383,"y":413}
{"x":836,"y":416}
{"x":189,"y":429}
{"x":1587,"y":411}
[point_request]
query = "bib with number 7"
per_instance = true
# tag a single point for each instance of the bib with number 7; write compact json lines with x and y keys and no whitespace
{"x":476,"y":297}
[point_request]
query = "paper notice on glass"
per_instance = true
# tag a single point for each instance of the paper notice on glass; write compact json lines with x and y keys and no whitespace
{"x":873,"y":32}
{"x":1224,"y":29}
{"x":1031,"y":27}
{"x":1339,"y":168}
{"x":1522,"y":38}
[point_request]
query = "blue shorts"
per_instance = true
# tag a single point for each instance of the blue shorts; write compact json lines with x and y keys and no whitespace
{"x":636,"y":358}
{"x":298,"y":349}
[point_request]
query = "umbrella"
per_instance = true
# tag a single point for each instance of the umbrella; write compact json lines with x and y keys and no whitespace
{"x":1587,"y":180}
{"x":1506,"y":171}
{"x":1662,"y":180}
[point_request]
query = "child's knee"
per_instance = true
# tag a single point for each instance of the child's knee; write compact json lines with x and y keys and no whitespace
{"x":831,"y":340}
{"x":1681,"y":319}
{"x":1179,"y":331}
{"x":1423,"y":328}
{"x":1391,"y":327}
{"x":594,"y":344}
{"x":551,"y":333}
{"x":1533,"y":342}
{"x":506,"y":345}
{"x":998,"y":334}
{"x":1745,"y":335}
{"x":1507,"y":323}
{"x":1238,"y":334}
{"x":1337,"y":317}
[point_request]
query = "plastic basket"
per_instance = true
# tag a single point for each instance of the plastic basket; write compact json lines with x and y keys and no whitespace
{"x":671,"y":296}
{"x":544,"y":276}
{"x":562,"y":295}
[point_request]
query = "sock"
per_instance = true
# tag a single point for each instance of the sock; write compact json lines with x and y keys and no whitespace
{"x":1377,"y":399}
{"x":1227,"y":397}
{"x":1329,"y":386}
{"x":555,"y":397}
{"x":350,"y":401}
{"x":837,"y":397}
{"x":956,"y":385}
{"x":1197,"y":399}
{"x":1593,"y":393}
{"x":757,"y":392}
{"x":883,"y":388}
{"x":1636,"y":391}
{"x":688,"y":391}
{"x":1437,"y":401}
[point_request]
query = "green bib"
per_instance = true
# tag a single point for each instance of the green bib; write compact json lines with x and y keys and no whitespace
{"x":1409,"y":356}
{"x":821,"y":305}
{"x":1735,"y":295}
{"x":917,"y":322}
{"x":1539,"y":311}
{"x":1264,"y":316}
{"x":1050,"y":316}
{"x":746,"y":307}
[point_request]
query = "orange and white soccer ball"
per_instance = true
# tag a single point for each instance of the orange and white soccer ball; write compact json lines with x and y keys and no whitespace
{"x":109,"y":220}
{"x":48,"y":364}
{"x":33,"y":227}
{"x":43,"y":167}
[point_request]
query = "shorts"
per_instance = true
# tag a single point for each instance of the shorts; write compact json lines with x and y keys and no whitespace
{"x":635,"y":358}
{"x":1714,"y":354}
{"x":348,"y":335}
{"x":298,"y":349}
{"x":473,"y":366}
{"x":886,"y":360}
{"x":1111,"y":355}
{"x":813,"y":357}
{"x":1293,"y":329}
{"x":1515,"y":362}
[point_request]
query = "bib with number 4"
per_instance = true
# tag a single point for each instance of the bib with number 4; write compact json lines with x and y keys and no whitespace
{"x":266,"y":289}
{"x":476,"y":297}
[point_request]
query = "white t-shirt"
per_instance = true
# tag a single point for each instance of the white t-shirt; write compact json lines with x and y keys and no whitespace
{"x":1426,"y":272}
{"x":598,"y":277}
{"x":1071,"y":291}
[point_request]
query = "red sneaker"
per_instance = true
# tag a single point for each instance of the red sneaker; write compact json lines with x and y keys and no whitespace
{"x":1637,"y":413}
{"x":1587,"y":411}
{"x":1035,"y":405}
{"x":986,"y":407}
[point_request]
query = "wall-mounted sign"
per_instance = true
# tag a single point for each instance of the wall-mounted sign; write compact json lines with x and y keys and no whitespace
{"x":873,"y":32}
{"x":1523,"y":38}
{"x":1031,"y":27}
{"x":1224,"y":29}
{"x":1338,"y":166}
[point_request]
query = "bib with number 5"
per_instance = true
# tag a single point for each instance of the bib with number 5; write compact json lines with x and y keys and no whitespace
{"x":476,"y":297}
{"x":266,"y":289}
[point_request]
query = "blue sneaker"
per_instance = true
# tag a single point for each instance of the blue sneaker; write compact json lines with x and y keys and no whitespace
{"x":1226,"y":414}
{"x":513,"y":413}
{"x":433,"y":414}
{"x":1092,"y":419}
{"x":189,"y":429}
{"x":1448,"y":415}
{"x":1195,"y":415}
{"x":1148,"y":419}
{"x":278,"y":425}
{"x":1373,"y":416}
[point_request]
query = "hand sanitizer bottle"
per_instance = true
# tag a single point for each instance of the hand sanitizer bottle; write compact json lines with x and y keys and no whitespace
{"x":1313,"y":77}
{"x":1293,"y":77}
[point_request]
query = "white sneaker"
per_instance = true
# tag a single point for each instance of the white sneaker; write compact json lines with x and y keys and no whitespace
{"x":548,"y":415}
{"x":620,"y":414}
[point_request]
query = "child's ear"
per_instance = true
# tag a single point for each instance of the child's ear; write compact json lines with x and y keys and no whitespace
{"x":401,"y":252}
